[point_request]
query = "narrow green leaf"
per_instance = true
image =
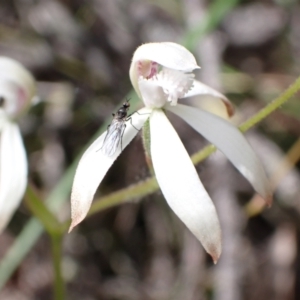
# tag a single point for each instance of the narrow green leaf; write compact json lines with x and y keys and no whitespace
{"x":40,"y":211}
{"x":215,"y":14}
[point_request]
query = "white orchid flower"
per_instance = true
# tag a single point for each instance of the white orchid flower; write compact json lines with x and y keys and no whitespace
{"x":17,"y":89}
{"x":161,"y":74}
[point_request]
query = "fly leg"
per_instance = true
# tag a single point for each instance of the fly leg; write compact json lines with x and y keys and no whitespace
{"x":136,"y":112}
{"x":130,"y":119}
{"x":122,"y":137}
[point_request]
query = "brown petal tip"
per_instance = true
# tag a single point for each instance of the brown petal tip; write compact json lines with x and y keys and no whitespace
{"x":73,"y":224}
{"x":215,"y":254}
{"x":269,"y":200}
{"x":229,"y":107}
{"x":215,"y":260}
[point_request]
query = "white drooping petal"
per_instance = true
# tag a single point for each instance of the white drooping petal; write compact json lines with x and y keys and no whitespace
{"x":3,"y":119}
{"x":94,"y":164}
{"x":181,"y":186}
{"x":13,"y":171}
{"x":166,"y":54}
{"x":12,"y":100}
{"x":200,"y":88}
{"x":18,"y":80}
{"x":227,"y":138}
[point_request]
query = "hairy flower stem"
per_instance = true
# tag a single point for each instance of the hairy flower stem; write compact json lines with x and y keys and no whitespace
{"x":272,"y":106}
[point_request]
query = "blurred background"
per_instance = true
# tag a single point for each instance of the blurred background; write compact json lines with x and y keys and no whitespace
{"x":80,"y":52}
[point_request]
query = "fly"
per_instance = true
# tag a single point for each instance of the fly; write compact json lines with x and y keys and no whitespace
{"x":115,"y":130}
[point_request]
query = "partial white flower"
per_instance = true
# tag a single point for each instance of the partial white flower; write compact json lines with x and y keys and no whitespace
{"x":17,"y":89}
{"x":161,"y":75}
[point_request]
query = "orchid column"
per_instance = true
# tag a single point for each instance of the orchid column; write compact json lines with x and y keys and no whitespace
{"x":161,"y":74}
{"x":17,"y":89}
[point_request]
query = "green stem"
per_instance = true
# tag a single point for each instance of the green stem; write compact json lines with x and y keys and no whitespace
{"x":130,"y":193}
{"x":272,"y":106}
{"x":56,"y":245}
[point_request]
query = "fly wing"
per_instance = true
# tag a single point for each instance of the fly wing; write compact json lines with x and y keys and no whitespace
{"x":113,"y":137}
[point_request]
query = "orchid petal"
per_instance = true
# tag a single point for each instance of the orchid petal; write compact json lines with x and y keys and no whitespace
{"x":13,"y":73}
{"x":227,"y":138}
{"x":181,"y":186}
{"x":200,"y":88}
{"x":94,"y":164}
{"x":13,"y":172}
{"x":3,"y":119}
{"x":167,"y":54}
{"x":153,"y":94}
